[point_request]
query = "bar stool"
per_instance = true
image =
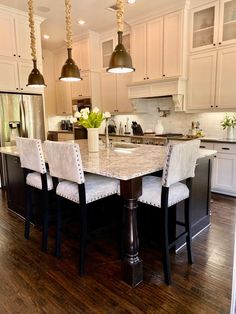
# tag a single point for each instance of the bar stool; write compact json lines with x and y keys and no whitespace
{"x":167,"y":191}
{"x":65,"y":163}
{"x":36,"y":176}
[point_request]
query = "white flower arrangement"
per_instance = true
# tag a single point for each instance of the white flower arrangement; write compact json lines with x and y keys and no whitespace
{"x":91,"y":119}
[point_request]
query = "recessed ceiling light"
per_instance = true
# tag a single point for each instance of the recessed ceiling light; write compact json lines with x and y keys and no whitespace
{"x":131,"y":1}
{"x":81,"y":22}
{"x":46,"y":36}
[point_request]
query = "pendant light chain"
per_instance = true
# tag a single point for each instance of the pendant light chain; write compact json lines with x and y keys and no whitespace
{"x":120,"y":15}
{"x":32,"y":30}
{"x":68,"y":24}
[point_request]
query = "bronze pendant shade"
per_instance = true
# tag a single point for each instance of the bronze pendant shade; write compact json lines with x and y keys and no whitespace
{"x":120,"y":61}
{"x":70,"y":71}
{"x":35,"y":78}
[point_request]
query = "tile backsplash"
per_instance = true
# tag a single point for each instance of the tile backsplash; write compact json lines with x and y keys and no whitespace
{"x":175,"y":122}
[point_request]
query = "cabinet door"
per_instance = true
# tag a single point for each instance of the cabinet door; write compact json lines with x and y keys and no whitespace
{"x":59,"y":61}
{"x":172,"y":44}
{"x":23,"y":38}
{"x":123,"y":103}
{"x":81,"y":88}
{"x":154,"y":47}
{"x":63,"y":96}
{"x":138,"y":45}
{"x":24,"y":70}
{"x":107,"y":47}
{"x":109,"y":92}
{"x":224,"y":173}
{"x":7,"y":35}
{"x":81,"y":54}
{"x":8,"y":75}
{"x":204,"y":28}
{"x":226,"y":78}
{"x":227,"y":26}
{"x":201,"y":84}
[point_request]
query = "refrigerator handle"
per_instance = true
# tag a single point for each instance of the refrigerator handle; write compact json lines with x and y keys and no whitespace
{"x":22,"y":118}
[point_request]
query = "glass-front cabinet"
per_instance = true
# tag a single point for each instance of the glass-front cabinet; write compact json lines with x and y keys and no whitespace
{"x":204,"y":26}
{"x":213,"y":24}
{"x":227,"y":31}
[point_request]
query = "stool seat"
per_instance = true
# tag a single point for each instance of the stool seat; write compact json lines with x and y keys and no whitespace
{"x":34,"y":179}
{"x":152,"y":187}
{"x":96,"y":187}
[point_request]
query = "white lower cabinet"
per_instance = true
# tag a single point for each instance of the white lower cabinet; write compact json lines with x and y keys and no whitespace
{"x":224,"y":168}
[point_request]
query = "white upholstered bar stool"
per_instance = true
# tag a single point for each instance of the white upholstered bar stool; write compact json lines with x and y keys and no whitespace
{"x":36,"y":176}
{"x":167,"y":191}
{"x":65,"y":163}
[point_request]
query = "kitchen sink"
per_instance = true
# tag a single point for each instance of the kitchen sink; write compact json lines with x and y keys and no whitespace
{"x":123,"y":145}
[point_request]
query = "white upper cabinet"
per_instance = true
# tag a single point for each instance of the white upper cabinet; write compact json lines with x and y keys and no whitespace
{"x":173,"y":48}
{"x":226,"y":78}
{"x":107,"y":47}
{"x":15,"y":53}
{"x":202,"y":79}
{"x":7,"y":35}
{"x":157,"y":48}
{"x":115,"y":93}
{"x":227,"y":29}
{"x":213,"y":25}
{"x":81,"y":54}
{"x":81,"y":89}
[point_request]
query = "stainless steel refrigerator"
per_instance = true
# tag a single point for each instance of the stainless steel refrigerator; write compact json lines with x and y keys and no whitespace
{"x":20,"y":115}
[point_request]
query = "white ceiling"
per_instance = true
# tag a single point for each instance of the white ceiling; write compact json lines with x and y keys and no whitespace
{"x":92,"y":11}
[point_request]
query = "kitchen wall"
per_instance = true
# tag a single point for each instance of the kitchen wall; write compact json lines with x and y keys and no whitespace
{"x":176,"y":122}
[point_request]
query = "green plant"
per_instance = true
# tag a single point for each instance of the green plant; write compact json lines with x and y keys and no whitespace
{"x":91,"y":119}
{"x":229,"y":120}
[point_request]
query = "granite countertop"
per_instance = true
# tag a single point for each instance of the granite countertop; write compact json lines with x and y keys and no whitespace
{"x":120,"y":163}
{"x":177,"y":138}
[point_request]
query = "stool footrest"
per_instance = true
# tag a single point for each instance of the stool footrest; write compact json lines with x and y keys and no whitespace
{"x":184,"y":234}
{"x":179,"y":223}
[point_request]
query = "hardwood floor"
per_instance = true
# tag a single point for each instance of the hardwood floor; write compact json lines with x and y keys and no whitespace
{"x":36,"y":282}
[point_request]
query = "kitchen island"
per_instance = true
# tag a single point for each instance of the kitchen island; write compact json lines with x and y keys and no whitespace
{"x":129,"y":164}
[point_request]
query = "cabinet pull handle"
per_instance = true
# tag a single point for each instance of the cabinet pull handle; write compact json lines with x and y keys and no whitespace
{"x":214,"y":44}
{"x":164,"y":75}
{"x":211,"y":106}
{"x":14,"y":55}
{"x":220,"y":43}
{"x":19,"y":56}
{"x":217,"y":106}
{"x":22,"y":88}
{"x":144,"y":78}
{"x":201,"y":146}
{"x":225,"y":148}
{"x":17,"y":88}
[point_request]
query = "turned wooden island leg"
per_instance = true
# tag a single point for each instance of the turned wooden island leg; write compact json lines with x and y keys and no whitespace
{"x":130,"y":191}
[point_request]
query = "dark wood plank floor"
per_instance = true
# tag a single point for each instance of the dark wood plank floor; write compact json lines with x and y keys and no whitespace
{"x":36,"y":282}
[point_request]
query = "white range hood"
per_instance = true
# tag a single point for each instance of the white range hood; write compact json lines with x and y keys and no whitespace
{"x":152,"y":89}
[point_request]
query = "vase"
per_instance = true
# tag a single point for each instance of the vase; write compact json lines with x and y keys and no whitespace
{"x":230,"y":132}
{"x":93,"y":140}
{"x":159,"y":129}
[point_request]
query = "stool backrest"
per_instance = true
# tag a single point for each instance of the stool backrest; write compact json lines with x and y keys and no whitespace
{"x":180,"y":162}
{"x":64,"y":161}
{"x":31,"y":154}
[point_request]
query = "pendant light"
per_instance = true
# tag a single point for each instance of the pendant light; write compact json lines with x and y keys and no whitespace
{"x":70,"y":71}
{"x":35,"y":78}
{"x":120,"y":61}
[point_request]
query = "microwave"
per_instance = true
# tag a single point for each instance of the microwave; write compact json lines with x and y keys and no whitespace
{"x":79,"y":104}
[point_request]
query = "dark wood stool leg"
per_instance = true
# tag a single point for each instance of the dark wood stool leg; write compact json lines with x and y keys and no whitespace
{"x":165,"y":248}
{"x":83,"y":228}
{"x":83,"y":239}
{"x":28,"y":210}
{"x":45,"y":220}
{"x":165,"y":235}
{"x":188,"y":230}
{"x":58,"y":228}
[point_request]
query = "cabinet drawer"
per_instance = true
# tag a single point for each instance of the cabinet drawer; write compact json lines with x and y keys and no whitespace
{"x":225,"y":148}
{"x":65,"y":137}
{"x":207,"y":145}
